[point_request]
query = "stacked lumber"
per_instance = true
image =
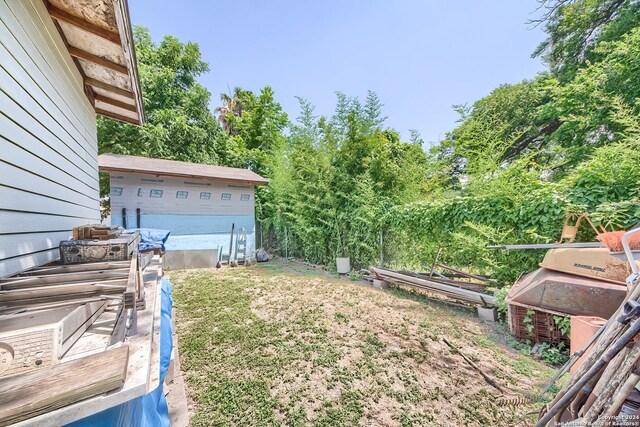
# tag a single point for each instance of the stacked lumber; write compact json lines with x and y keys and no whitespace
{"x":438,"y":286}
{"x":44,"y":312}
{"x":96,"y":232}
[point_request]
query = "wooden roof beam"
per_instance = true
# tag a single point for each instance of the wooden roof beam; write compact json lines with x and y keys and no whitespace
{"x":117,"y":116}
{"x":98,"y":60}
{"x":108,"y":87}
{"x":75,"y":21}
{"x":115,"y":103}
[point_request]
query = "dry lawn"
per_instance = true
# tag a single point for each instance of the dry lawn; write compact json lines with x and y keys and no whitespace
{"x":283,"y":344}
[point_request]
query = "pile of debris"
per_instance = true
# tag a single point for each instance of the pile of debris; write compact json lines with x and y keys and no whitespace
{"x":452,"y":283}
{"x":46,"y":310}
{"x":604,"y":389}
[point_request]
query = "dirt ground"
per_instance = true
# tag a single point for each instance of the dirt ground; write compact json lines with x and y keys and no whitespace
{"x":284,"y":344}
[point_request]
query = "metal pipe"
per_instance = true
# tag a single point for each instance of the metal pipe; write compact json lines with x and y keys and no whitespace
{"x":627,"y":249}
{"x":620,"y":343}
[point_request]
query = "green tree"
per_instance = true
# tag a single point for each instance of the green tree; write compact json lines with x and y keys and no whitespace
{"x":179,"y":124}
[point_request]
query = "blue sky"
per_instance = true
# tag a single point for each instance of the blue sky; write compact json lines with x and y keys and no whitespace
{"x":421,"y":57}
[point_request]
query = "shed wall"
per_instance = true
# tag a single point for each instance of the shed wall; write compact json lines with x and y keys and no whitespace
{"x":48,"y":140}
{"x":198,"y":212}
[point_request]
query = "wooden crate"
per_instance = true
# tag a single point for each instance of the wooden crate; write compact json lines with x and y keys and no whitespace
{"x":534,"y":325}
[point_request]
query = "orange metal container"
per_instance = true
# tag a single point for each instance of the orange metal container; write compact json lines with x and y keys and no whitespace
{"x":582,"y":329}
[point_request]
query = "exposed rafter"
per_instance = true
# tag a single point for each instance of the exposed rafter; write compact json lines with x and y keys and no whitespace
{"x":70,"y":19}
{"x":117,"y":116}
{"x":115,"y":102}
{"x":79,"y":53}
{"x":98,"y":36}
{"x":106,"y":86}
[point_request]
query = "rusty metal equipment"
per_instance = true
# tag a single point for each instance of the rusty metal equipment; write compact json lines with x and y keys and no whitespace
{"x":569,"y":231}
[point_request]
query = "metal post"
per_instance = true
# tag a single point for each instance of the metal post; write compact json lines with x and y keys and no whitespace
{"x":381,"y":249}
{"x":286,"y":243}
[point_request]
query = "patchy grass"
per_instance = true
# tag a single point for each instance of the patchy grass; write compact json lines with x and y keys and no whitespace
{"x":285,"y":344}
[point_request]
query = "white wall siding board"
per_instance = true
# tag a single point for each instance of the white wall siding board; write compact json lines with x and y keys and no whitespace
{"x":32,"y":98}
{"x":11,"y":175}
{"x":14,"y":222}
{"x":32,"y":25}
{"x":46,"y":167}
{"x":15,"y":245}
{"x":12,"y":265}
{"x":25,"y":70}
{"x":48,"y":140}
{"x":14,"y":199}
{"x":23,"y":111}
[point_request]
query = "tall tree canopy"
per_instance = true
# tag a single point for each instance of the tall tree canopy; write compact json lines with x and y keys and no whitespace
{"x":179,"y":124}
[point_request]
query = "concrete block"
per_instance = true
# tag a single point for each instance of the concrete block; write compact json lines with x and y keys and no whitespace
{"x":184,"y":259}
{"x":380,"y":284}
{"x":488,"y":314}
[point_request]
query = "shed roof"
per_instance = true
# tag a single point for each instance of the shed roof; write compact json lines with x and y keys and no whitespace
{"x":98,"y":36}
{"x":146,"y":165}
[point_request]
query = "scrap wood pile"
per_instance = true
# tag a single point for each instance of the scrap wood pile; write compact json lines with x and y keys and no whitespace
{"x":46,"y":310}
{"x":473,"y":289}
{"x":604,"y":389}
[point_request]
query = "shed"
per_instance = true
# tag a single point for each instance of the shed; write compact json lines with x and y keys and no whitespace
{"x":62,"y":62}
{"x":199,"y":204}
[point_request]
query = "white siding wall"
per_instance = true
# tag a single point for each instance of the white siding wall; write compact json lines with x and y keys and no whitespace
{"x":48,"y":141}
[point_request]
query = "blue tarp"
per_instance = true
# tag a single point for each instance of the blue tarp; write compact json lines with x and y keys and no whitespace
{"x":151,"y":238}
{"x":151,"y":409}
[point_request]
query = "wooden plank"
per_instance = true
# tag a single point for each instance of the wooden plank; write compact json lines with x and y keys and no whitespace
{"x":132,"y":283}
{"x":67,"y":277}
{"x":23,"y":285}
{"x":79,"y":53}
{"x":92,"y":266}
{"x":59,"y":292}
{"x":109,"y":87}
{"x":124,"y":27}
{"x":115,"y":103}
{"x":9,"y":312}
{"x":117,"y":116}
{"x":74,"y":325}
{"x":45,"y":390}
{"x":89,"y":27}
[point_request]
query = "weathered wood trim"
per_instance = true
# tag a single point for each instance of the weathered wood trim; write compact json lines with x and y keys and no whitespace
{"x":79,"y":53}
{"x":115,"y":102}
{"x":44,"y":390}
{"x":70,"y":19}
{"x":109,"y":87}
{"x":117,"y":116}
